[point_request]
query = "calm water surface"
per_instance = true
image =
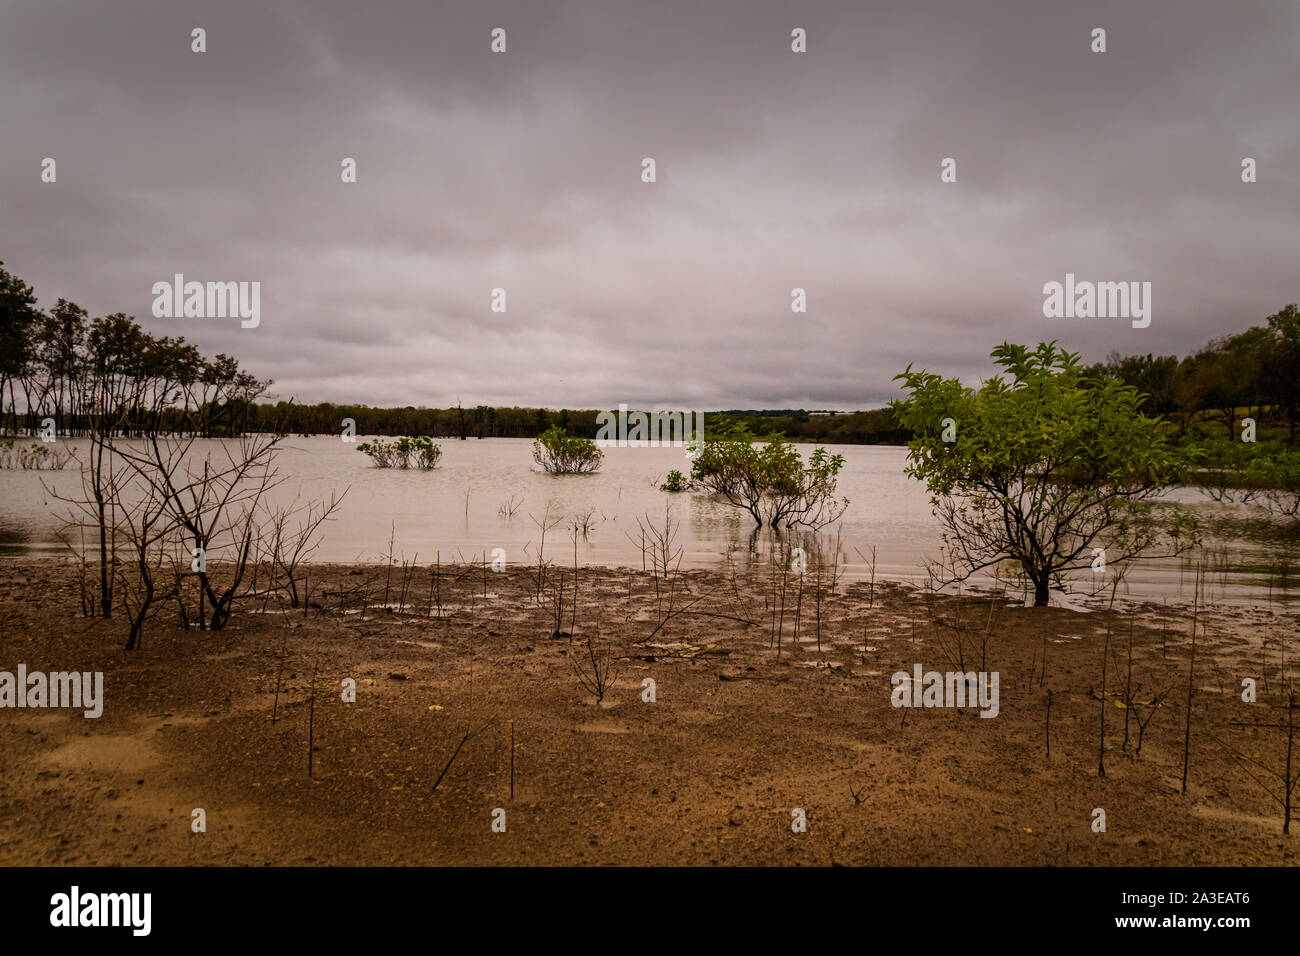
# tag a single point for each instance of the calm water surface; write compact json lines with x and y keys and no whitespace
{"x":454,"y":512}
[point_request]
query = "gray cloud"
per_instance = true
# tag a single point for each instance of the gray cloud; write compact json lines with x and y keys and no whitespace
{"x":776,"y":170}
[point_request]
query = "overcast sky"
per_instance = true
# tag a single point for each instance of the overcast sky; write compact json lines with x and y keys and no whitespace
{"x":776,"y":170}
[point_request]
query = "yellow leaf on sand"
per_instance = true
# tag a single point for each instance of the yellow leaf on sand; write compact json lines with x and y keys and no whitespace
{"x":435,"y":706}
{"x":1028,"y":830}
{"x":1120,"y":705}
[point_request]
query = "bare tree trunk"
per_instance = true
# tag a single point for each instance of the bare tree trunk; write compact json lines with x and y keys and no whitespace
{"x":1042,"y":592}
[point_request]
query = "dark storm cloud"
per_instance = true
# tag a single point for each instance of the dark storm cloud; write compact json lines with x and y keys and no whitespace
{"x":776,"y":170}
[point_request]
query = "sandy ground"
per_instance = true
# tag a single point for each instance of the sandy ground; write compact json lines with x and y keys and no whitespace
{"x":738,"y":737}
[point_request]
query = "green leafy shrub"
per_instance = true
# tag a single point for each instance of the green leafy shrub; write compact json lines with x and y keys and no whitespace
{"x":1040,"y":466}
{"x":675,"y":482}
{"x":559,"y":453}
{"x":769,"y":479}
{"x":1265,"y":473}
{"x":423,"y":452}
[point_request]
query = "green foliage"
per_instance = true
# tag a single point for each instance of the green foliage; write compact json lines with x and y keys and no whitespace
{"x":18,"y":319}
{"x":1276,"y":474}
{"x":559,"y":453}
{"x":675,"y":482}
{"x":1265,"y":473}
{"x":769,"y":479}
{"x":870,"y":427}
{"x":1257,"y":370}
{"x":1046,"y":465}
{"x":423,"y":452}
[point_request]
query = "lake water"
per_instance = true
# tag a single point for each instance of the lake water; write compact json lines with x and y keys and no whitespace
{"x":454,"y":511}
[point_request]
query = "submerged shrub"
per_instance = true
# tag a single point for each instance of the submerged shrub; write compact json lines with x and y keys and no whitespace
{"x":675,"y":482}
{"x":1265,"y":473}
{"x":37,"y":457}
{"x":768,"y":478}
{"x":560,"y":453}
{"x":423,"y":452}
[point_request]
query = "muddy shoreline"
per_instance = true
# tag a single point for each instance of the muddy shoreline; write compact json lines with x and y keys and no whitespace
{"x":738,"y":737}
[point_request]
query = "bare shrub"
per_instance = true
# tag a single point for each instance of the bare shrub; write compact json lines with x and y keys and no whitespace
{"x":595,"y":666}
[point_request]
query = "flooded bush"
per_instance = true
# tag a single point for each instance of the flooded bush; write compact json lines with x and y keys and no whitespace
{"x":675,"y":482}
{"x":559,"y":453}
{"x":423,"y":452}
{"x":35,"y":457}
{"x":768,"y":478}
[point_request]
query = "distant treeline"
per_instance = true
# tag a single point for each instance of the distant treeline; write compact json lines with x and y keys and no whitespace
{"x":63,"y":365}
{"x":1255,"y":372}
{"x":486,"y":421}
